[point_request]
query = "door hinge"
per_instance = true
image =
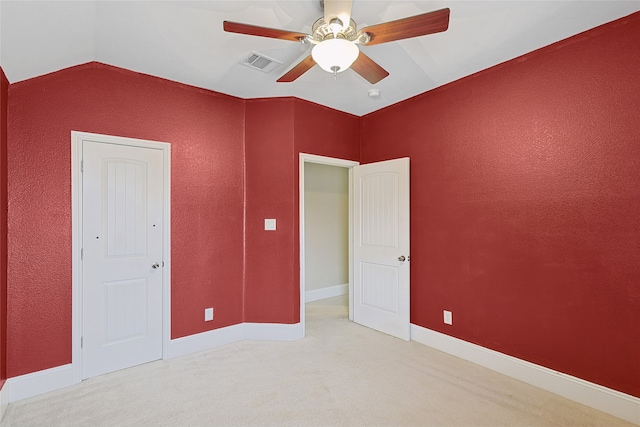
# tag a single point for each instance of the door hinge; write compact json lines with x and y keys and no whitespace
{"x":81,"y":342}
{"x":81,"y":166}
{"x":81,"y":253}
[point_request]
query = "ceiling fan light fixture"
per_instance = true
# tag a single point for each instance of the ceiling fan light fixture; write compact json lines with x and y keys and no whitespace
{"x":335,"y":55}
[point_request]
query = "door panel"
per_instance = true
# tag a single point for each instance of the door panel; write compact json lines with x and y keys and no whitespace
{"x":122,"y":241}
{"x":126,"y":310}
{"x":381,"y":239}
{"x":380,"y":290}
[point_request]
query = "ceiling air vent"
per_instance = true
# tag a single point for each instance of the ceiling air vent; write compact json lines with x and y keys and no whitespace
{"x":260,"y":62}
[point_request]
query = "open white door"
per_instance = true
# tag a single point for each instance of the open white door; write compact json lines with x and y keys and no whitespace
{"x":381,"y":246}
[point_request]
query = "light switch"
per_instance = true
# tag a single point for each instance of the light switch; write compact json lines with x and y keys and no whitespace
{"x":270,"y":224}
{"x":448,"y":317}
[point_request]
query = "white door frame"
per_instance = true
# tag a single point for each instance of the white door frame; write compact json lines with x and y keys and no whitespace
{"x":312,"y":158}
{"x":76,"y":235}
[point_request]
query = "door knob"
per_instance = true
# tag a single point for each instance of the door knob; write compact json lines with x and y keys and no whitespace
{"x":155,"y":265}
{"x":401,"y":258}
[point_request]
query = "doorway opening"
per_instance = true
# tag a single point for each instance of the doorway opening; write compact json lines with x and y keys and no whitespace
{"x":325,"y":230}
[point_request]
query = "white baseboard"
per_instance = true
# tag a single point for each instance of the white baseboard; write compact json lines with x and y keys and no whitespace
{"x":36,"y":383}
{"x":204,"y":341}
{"x":4,"y":400}
{"x":273,"y":331}
{"x":40,"y":382}
{"x":230,"y":334}
{"x":323,"y":293}
{"x":604,"y":399}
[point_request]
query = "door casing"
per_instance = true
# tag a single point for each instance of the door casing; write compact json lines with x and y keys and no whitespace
{"x":76,"y":232}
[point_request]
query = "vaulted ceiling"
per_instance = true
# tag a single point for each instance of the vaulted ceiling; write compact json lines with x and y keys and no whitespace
{"x":184,"y":41}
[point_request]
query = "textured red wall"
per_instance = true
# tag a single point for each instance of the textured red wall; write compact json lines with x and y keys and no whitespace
{"x":4,"y":92}
{"x":277,"y":130}
{"x":205,"y":130}
{"x":325,"y":132}
{"x":525,"y":204}
{"x":269,"y":269}
{"x":207,"y":133}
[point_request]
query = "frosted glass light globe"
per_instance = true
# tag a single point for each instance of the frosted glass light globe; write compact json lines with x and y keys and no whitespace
{"x":335,"y":55}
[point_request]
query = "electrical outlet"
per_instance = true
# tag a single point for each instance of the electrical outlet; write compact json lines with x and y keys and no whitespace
{"x":208,"y":314}
{"x":448,"y":317}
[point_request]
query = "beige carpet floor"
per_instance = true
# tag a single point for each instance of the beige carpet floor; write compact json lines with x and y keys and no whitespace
{"x":341,"y":374}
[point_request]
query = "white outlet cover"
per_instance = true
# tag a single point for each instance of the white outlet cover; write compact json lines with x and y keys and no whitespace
{"x":208,"y":314}
{"x":448,"y":317}
{"x":270,"y":224}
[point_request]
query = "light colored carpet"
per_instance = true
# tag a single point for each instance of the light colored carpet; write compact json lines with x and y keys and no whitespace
{"x":342,"y":374}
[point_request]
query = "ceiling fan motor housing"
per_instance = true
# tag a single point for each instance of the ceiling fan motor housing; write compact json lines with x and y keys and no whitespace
{"x":322,"y":31}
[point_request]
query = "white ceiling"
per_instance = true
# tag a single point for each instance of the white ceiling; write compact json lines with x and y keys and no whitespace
{"x":184,"y":41}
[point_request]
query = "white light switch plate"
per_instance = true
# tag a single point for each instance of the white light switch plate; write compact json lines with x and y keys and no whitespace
{"x":270,"y":224}
{"x":448,"y":317}
{"x":208,"y":314}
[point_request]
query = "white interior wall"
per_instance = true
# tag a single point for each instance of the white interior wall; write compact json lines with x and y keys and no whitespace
{"x":326,"y":230}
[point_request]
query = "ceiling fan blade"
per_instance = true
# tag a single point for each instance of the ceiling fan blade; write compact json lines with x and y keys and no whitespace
{"x":301,"y":68}
{"x":340,"y":9}
{"x":414,"y":26}
{"x":369,"y":69}
{"x":253,"y":30}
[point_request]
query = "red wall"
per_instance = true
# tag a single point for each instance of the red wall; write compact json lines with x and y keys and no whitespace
{"x":217,"y":143}
{"x":525,"y":204}
{"x":4,"y":92}
{"x":205,"y":130}
{"x":325,"y":132}
{"x":277,"y":130}
{"x":270,"y":292}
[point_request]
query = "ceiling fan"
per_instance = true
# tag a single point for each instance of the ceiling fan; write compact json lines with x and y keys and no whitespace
{"x":335,"y":39}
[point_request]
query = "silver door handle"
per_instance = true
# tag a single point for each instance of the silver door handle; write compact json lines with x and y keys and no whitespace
{"x":155,"y":265}
{"x":401,"y":258}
